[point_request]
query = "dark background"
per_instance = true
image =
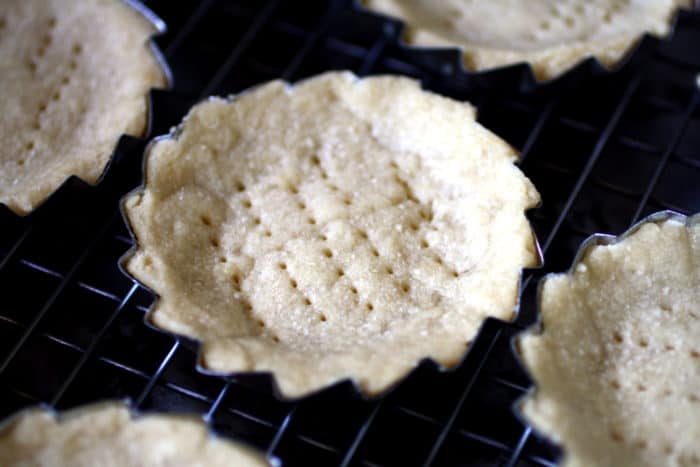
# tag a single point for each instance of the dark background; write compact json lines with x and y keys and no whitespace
{"x":604,"y":149}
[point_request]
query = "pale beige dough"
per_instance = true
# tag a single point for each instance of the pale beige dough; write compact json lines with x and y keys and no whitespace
{"x":74,"y":78}
{"x":617,"y":366}
{"x":552,"y":35}
{"x":339,"y":228}
{"x":108,"y":435}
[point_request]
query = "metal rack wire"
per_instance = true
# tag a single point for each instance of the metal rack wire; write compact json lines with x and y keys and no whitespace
{"x":603,"y":149}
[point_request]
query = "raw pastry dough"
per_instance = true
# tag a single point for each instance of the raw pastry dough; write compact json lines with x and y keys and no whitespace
{"x":74,"y":78}
{"x":617,"y":366}
{"x":338,"y":228}
{"x":552,"y":35}
{"x":108,"y":435}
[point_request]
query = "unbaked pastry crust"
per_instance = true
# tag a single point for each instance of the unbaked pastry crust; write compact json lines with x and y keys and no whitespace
{"x":551,"y":35}
{"x":617,"y":364}
{"x":107,"y":434}
{"x":74,"y":76}
{"x":338,"y":228}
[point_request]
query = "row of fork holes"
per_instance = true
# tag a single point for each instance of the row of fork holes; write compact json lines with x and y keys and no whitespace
{"x":46,"y":41}
{"x":643,"y":342}
{"x":569,"y":20}
{"x":618,"y":437}
{"x":236,"y":280}
{"x":425,"y":216}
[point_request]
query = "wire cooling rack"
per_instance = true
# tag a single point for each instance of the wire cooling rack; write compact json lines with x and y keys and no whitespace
{"x":603,"y":149}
